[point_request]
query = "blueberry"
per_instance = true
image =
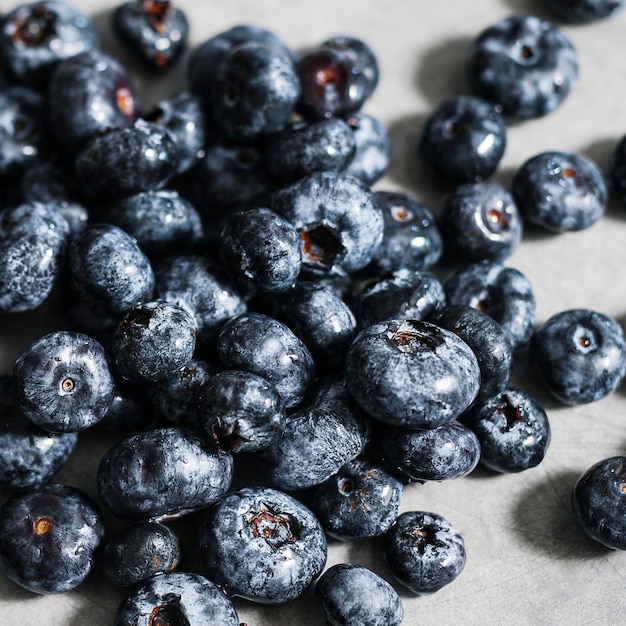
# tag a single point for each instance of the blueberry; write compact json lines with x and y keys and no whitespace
{"x":463,"y":140}
{"x":62,"y":382}
{"x":140,"y":552}
{"x":179,"y":599}
{"x":560,"y":191}
{"x":361,"y":500}
{"x":617,"y":170}
{"x":580,"y":355}
{"x":583,"y":11}
{"x":504,"y":293}
{"x":597,"y":501}
{"x":262,"y":544}
{"x":513,"y":430}
{"x":162,"y":472}
{"x":49,"y":535}
{"x":155,"y":30}
{"x":411,"y":373}
{"x":424,"y":552}
{"x":524,"y":64}
{"x":481,"y":221}
{"x":352,"y":594}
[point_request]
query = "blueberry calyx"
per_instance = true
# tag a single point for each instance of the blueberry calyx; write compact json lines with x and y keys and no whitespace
{"x":39,"y":26}
{"x":410,"y":339}
{"x":278,"y":530}
{"x":168,"y":614}
{"x":320,"y":246}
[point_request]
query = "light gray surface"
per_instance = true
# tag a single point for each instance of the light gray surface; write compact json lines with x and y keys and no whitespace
{"x":527,"y":561}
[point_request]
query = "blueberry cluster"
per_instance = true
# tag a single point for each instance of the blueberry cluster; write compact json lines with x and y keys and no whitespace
{"x":271,"y":339}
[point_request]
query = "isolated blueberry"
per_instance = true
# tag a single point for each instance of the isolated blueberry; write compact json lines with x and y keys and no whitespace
{"x":352,"y":594}
{"x":580,"y":355}
{"x":262,"y":544}
{"x":583,"y":11}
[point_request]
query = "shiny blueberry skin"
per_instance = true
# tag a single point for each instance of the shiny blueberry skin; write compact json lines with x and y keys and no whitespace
{"x":177,"y":598}
{"x":579,"y":355}
{"x":513,"y":430}
{"x":489,"y":342}
{"x":411,"y":373}
{"x":481,"y":221}
{"x":463,"y":140}
{"x":598,"y":502}
{"x":240,"y":411}
{"x":617,"y":170}
{"x":352,"y":594}
{"x":153,"y":341}
{"x":262,"y":544}
{"x":361,"y":500}
{"x":88,"y":95}
{"x":339,"y":223}
{"x":262,"y":345}
{"x":406,"y":294}
{"x":449,"y":451}
{"x":327,"y":432}
{"x":411,"y":236}
{"x":36,"y":36}
{"x":163,"y":472}
{"x":140,"y":552}
{"x":524,"y":64}
{"x":583,"y":11}
{"x":62,"y":382}
{"x":156,"y":30}
{"x":49,"y":535}
{"x":560,"y":191}
{"x":502,"y":292}
{"x":424,"y":552}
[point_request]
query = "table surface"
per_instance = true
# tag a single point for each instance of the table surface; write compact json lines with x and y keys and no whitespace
{"x":527,"y":561}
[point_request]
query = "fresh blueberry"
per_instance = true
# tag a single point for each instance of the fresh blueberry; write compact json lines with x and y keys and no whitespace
{"x":62,"y":382}
{"x":481,"y":221}
{"x":560,"y":191}
{"x":424,"y":552}
{"x":617,"y":170}
{"x":49,"y":535}
{"x":161,"y":472}
{"x":502,"y":292}
{"x":580,"y":355}
{"x":361,"y":500}
{"x":411,"y":373}
{"x":513,"y":431}
{"x":524,"y":64}
{"x":598,"y":502}
{"x":352,"y":594}
{"x":463,"y":140}
{"x":583,"y":11}
{"x":177,"y":599}
{"x":262,"y":544}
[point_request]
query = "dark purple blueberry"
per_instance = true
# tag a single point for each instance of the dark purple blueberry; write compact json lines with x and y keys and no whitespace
{"x":240,"y":411}
{"x":617,"y":170}
{"x":361,"y":500}
{"x":327,"y":432}
{"x":598,"y":501}
{"x":424,"y":552}
{"x":155,"y":30}
{"x":262,"y":345}
{"x":449,"y":451}
{"x":579,"y":355}
{"x":263,"y":545}
{"x":177,"y":599}
{"x":163,"y":472}
{"x":583,"y":11}
{"x":481,"y":221}
{"x":140,"y":552}
{"x":62,"y":382}
{"x":36,"y":36}
{"x":352,"y":594}
{"x":513,"y":431}
{"x":49,"y":535}
{"x":504,"y":293}
{"x":524,"y":64}
{"x":560,"y":191}
{"x":339,"y":223}
{"x":411,"y":373}
{"x":153,"y":342}
{"x":411,"y":236}
{"x":463,"y":140}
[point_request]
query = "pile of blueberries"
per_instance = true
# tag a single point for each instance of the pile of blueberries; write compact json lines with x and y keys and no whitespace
{"x":237,"y":295}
